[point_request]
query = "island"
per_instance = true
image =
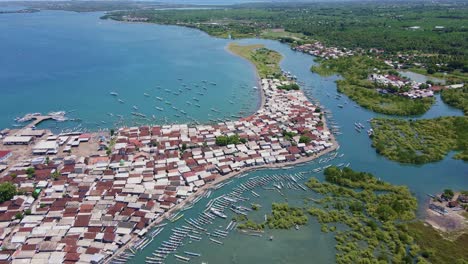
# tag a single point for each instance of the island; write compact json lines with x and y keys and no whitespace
{"x":420,"y":141}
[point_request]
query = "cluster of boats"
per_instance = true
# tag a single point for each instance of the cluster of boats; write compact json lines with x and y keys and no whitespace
{"x":205,"y":224}
{"x":327,"y":159}
{"x":358,"y":126}
{"x":199,"y":91}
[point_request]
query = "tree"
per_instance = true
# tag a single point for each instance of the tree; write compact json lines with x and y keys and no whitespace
{"x":27,"y":212}
{"x":30,"y":172}
{"x":304,"y":139}
{"x":112,"y":132}
{"x":7,"y":191}
{"x":35,"y":195}
{"x":55,"y":175}
{"x":47,"y":160}
{"x":19,"y":216}
{"x":448,"y":194}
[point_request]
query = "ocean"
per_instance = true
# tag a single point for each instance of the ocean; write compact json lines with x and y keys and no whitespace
{"x":71,"y":62}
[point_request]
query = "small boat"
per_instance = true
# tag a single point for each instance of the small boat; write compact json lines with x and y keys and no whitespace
{"x":218,"y":213}
{"x":135,"y":107}
{"x":121,"y":101}
{"x":145,"y":94}
{"x":192,"y":254}
{"x":114,"y":94}
{"x":216,"y":241}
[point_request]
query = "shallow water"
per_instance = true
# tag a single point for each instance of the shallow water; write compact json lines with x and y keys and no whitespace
{"x":76,"y":63}
{"x":72,"y":61}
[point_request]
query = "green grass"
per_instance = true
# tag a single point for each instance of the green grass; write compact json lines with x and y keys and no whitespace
{"x":435,"y":247}
{"x":266,"y":61}
{"x":355,"y":84}
{"x":420,"y":141}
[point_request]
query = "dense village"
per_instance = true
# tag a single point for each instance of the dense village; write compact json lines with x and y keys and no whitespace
{"x":75,"y":204}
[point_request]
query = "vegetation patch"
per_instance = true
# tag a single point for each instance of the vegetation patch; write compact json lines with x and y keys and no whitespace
{"x":457,"y":98}
{"x":420,"y":141}
{"x":251,"y":225}
{"x":289,"y":87}
{"x":284,"y":216}
{"x":435,"y":248}
{"x":266,"y":61}
{"x":228,"y":140}
{"x":355,"y":84}
{"x":7,"y":191}
{"x":371,"y":210}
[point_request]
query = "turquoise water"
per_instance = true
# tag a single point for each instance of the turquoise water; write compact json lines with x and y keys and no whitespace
{"x":309,"y":243}
{"x":74,"y":64}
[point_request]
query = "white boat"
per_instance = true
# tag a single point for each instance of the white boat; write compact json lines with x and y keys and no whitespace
{"x":218,"y":213}
{"x":114,"y":94}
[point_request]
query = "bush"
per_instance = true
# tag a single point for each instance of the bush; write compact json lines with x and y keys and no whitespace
{"x":304,"y":139}
{"x":289,"y":87}
{"x":19,"y":216}
{"x":227,"y":140}
{"x":7,"y":191}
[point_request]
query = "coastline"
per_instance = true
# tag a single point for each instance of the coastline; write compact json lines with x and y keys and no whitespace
{"x":202,"y":190}
{"x":262,"y":101}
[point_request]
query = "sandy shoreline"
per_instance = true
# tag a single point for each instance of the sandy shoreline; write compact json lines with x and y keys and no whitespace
{"x":257,"y":75}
